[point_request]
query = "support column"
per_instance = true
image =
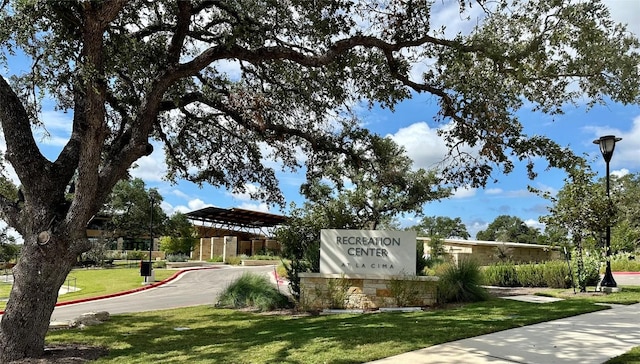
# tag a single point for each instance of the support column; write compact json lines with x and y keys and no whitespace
{"x":230,"y":247}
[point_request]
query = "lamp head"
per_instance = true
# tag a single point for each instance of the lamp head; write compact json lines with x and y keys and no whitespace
{"x":607,"y":145}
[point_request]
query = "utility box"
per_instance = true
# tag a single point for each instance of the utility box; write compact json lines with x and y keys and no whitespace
{"x":145,"y":268}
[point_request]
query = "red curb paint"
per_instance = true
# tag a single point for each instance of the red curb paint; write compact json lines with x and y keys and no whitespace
{"x":117,"y":294}
{"x":626,"y":273}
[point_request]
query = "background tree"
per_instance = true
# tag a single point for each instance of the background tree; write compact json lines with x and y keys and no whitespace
{"x":130,"y":73}
{"x":509,"y":229}
{"x":625,"y":195}
{"x":129,"y":207}
{"x":437,"y":229}
{"x":442,"y":226}
{"x":9,"y":250}
{"x":380,"y":187}
{"x":181,"y":235}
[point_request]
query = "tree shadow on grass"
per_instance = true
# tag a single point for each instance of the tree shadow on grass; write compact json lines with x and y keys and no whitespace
{"x":208,"y":335}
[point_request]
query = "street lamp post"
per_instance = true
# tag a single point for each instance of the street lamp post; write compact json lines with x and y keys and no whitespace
{"x":146,"y":268}
{"x":151,"y":236}
{"x":607,"y":145}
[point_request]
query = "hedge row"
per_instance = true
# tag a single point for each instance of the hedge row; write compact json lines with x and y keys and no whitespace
{"x":553,"y":274}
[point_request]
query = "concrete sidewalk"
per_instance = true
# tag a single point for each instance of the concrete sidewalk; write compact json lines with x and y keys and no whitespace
{"x":589,"y":338}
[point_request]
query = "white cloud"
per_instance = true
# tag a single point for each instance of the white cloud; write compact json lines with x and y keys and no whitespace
{"x":493,"y":191}
{"x":246,"y":195}
{"x":626,"y":151}
{"x":620,"y":173}
{"x":534,"y":224}
{"x":177,"y":192}
{"x":447,"y":14}
{"x":262,"y":207}
{"x":192,"y":205}
{"x":57,"y":128}
{"x":422,"y":143}
{"x":152,"y":167}
{"x":464,"y":192}
{"x":198,"y":204}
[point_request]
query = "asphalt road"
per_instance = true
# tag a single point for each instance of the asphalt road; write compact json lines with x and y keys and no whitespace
{"x":192,"y":288}
{"x":197,"y":287}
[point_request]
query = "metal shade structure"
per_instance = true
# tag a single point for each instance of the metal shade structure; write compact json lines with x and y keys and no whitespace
{"x":607,"y":145}
{"x":237,"y":217}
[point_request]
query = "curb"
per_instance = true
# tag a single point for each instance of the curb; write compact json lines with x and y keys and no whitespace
{"x":118,"y":294}
{"x":626,"y":273}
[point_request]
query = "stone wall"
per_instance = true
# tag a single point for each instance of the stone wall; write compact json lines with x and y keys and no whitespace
{"x":321,"y":291}
{"x":207,"y":248}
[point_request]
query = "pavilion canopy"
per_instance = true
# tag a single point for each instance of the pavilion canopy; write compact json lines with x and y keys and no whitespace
{"x":236,"y":217}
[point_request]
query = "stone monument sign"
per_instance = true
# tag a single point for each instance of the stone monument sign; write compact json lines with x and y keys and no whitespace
{"x":368,"y":252}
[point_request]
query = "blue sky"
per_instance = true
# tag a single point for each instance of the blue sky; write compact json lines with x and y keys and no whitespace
{"x":412,"y":126}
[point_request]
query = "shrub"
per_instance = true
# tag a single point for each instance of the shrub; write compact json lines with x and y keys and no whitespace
{"x":624,"y":263}
{"x":556,"y":274}
{"x":253,"y":291}
{"x":531,"y":275}
{"x":461,"y":283}
{"x":137,"y":254}
{"x":337,"y":293}
{"x":160,"y":264}
{"x":215,"y":259}
{"x":177,"y":257}
{"x":406,"y":291}
{"x":591,"y":274}
{"x":234,"y":260}
{"x":265,"y":257}
{"x":503,"y":274}
{"x":281,"y":270}
{"x":421,"y":261}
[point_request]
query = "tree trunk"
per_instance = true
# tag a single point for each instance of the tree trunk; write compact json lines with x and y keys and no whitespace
{"x":582,"y":284}
{"x":39,"y":274}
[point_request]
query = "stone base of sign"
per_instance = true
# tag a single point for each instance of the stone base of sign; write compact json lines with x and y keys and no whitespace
{"x":339,"y":291}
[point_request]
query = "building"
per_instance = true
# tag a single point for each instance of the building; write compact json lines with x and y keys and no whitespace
{"x":488,"y":252}
{"x":232,"y":232}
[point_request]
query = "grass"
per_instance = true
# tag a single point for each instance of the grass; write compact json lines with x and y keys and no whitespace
{"x":205,"y":334}
{"x":252,"y":290}
{"x":628,"y":296}
{"x":98,"y":282}
{"x":631,"y":357}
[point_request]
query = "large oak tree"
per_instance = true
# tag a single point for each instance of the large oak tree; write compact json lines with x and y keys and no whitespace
{"x":133,"y":72}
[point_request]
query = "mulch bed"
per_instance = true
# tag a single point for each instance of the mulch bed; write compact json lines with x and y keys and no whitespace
{"x":66,"y":354}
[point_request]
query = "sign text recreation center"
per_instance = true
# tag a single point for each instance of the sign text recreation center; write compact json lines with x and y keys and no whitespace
{"x":371,"y":252}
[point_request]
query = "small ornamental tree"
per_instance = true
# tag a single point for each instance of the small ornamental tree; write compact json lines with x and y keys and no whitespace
{"x":582,"y":210}
{"x":181,"y":237}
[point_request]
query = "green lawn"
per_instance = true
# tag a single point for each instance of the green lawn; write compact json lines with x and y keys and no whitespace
{"x":632,"y":357}
{"x":628,"y":296}
{"x":97,"y":282}
{"x":209,"y":335}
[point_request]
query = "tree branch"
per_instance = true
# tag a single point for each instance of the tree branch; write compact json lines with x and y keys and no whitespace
{"x":23,"y":153}
{"x":182,"y":28}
